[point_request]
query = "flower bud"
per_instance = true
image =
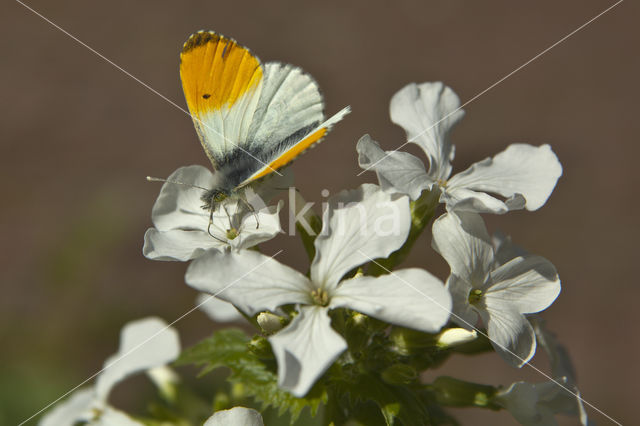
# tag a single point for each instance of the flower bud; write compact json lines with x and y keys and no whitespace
{"x":399,"y":374}
{"x":270,"y":323}
{"x":409,"y":342}
{"x":260,"y":347}
{"x":455,"y":336}
{"x":238,"y":391}
{"x":221,"y":401}
{"x":458,"y":393}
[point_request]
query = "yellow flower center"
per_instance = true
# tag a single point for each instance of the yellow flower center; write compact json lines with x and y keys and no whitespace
{"x":320,"y":297}
{"x":232,"y":233}
{"x":442,"y":183}
{"x":475,"y":296}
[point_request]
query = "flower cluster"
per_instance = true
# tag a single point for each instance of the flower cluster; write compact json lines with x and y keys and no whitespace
{"x":354,"y":331}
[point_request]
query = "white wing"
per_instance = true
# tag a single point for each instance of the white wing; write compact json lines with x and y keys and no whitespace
{"x":290,"y":102}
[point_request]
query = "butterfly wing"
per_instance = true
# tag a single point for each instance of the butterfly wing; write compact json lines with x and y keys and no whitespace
{"x":289,"y":119}
{"x":287,"y":151}
{"x":251,"y":120}
{"x":222,"y":82}
{"x":290,"y":101}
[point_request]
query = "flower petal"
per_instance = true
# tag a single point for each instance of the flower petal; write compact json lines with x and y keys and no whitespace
{"x":462,"y":239}
{"x":582,"y":412}
{"x":521,"y":169}
{"x":184,"y":244}
{"x":536,"y":404}
{"x":398,"y":171}
{"x":270,"y":186}
{"x":217,"y":309}
{"x":561,"y":365}
{"x":177,"y":244}
{"x":305,"y":349}
{"x":510,"y":333}
{"x":461,"y":312}
{"x":359,"y":225}
{"x":251,"y":281}
{"x":428,"y":112}
{"x":180,"y":206}
{"x":236,"y":416}
{"x":144,"y":344}
{"x":408,"y":297}
{"x":521,"y":400}
{"x":258,"y":227}
{"x":465,"y":200}
{"x":112,"y":417}
{"x":72,"y":409}
{"x":528,"y":284}
{"x":505,"y":249}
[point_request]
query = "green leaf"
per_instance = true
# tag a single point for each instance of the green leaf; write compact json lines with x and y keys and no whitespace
{"x":229,"y":348}
{"x":214,"y":351}
{"x":397,"y":404}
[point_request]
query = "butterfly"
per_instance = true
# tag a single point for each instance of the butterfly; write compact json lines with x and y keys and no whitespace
{"x":251,"y":118}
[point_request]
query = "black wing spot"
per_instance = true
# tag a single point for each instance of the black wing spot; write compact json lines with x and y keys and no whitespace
{"x":200,"y":38}
{"x":206,"y":96}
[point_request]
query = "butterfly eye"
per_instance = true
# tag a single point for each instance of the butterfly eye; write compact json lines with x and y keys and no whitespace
{"x":206,"y":96}
{"x":220,"y":196}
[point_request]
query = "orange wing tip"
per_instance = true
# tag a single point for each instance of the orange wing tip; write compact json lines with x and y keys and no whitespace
{"x":216,"y":71}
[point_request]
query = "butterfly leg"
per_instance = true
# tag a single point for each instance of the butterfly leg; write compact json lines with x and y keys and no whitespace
{"x":252,"y":210}
{"x":211,"y":223}
{"x":228,"y":216}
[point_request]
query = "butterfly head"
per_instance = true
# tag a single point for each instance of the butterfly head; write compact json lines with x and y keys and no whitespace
{"x":213,"y":197}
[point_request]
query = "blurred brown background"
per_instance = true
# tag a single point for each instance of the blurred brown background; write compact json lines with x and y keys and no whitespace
{"x":79,"y":136}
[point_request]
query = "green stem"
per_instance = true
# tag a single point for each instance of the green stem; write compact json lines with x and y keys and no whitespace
{"x":453,"y":392}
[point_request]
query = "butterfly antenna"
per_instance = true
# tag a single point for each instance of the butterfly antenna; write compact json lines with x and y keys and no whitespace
{"x":155,"y":179}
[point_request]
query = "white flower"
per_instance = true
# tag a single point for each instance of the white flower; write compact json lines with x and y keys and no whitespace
{"x":144,"y":345}
{"x":217,"y":309}
{"x":181,"y":224}
{"x":236,"y":416}
{"x":358,"y":226}
{"x":536,"y":404}
{"x":499,"y":294}
{"x":524,"y":174}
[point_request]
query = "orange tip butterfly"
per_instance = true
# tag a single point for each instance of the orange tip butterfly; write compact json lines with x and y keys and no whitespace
{"x":251,"y":118}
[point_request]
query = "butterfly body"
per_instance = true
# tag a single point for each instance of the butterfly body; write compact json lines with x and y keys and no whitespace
{"x":251,"y":118}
